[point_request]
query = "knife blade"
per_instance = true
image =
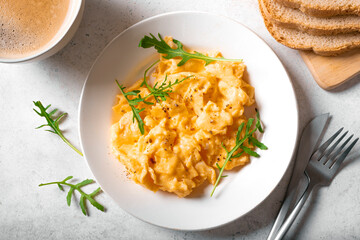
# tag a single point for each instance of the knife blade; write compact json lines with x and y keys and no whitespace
{"x":310,"y":139}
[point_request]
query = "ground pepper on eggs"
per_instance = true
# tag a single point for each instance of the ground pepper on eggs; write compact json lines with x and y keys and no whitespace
{"x":183,"y":135}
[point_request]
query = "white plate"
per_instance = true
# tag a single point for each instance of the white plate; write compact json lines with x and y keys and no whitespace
{"x":243,"y":190}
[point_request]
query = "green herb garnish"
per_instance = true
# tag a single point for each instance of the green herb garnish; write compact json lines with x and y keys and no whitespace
{"x":53,"y":124}
{"x":162,"y":47}
{"x":162,"y":91}
{"x":133,"y":103}
{"x":159,"y":92}
{"x":89,"y":197}
{"x":239,"y":144}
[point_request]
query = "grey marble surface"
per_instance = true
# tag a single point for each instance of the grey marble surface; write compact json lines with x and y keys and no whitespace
{"x":29,"y":157}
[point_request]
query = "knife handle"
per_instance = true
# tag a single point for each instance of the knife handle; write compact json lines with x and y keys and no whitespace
{"x":290,"y":219}
{"x":293,"y":194}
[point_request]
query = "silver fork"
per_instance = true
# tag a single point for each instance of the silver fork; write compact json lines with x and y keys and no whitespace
{"x":320,"y":170}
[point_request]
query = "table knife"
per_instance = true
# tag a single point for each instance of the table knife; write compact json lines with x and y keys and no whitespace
{"x":309,"y":141}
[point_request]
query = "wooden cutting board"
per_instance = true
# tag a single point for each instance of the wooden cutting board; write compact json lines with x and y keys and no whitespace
{"x":330,"y":72}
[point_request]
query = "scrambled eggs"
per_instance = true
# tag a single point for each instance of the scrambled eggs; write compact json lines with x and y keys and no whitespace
{"x":183,"y":135}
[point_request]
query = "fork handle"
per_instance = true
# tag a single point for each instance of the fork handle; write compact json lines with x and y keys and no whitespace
{"x":290,"y":219}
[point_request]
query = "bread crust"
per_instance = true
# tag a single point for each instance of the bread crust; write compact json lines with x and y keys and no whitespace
{"x":322,"y":11}
{"x":321,"y":49}
{"x":313,"y":25}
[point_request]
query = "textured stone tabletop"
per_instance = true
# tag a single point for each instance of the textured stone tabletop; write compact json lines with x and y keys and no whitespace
{"x":29,"y":157}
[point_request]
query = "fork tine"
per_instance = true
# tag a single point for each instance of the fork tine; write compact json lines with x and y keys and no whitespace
{"x":319,"y":153}
{"x":331,"y":149}
{"x":338,"y":161}
{"x":338,"y":151}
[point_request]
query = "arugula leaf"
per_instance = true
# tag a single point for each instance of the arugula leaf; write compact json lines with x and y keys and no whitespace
{"x":162,"y":47}
{"x":133,"y":103}
{"x":239,"y":131}
{"x":53,"y":124}
{"x":165,"y":88}
{"x":144,"y":82}
{"x":239,"y":145}
{"x":84,"y":196}
{"x":258,"y":121}
{"x":256,"y":143}
{"x":158,"y":92}
{"x":249,"y":151}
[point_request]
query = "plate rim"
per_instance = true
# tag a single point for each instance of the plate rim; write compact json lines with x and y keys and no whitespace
{"x":214,"y":15}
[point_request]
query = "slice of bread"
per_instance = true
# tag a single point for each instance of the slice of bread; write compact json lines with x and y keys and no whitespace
{"x":294,"y":18}
{"x":322,"y":45}
{"x":325,"y":8}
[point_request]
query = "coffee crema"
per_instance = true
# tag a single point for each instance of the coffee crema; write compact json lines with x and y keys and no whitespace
{"x":28,"y":25}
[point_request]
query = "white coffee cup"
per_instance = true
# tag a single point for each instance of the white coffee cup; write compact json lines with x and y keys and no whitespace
{"x":61,"y":38}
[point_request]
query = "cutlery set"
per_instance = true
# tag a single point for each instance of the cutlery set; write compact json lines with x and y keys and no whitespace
{"x":318,"y":168}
